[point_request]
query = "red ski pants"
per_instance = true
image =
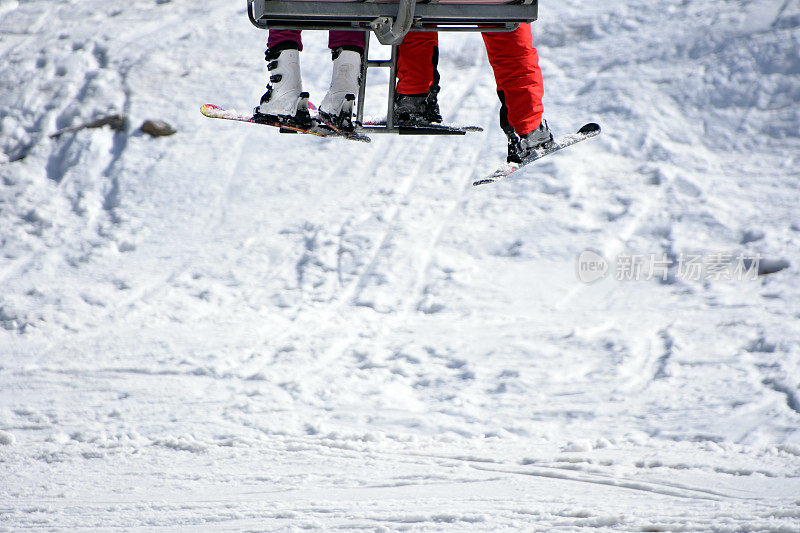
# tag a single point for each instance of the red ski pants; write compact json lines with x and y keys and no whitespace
{"x":514,"y":61}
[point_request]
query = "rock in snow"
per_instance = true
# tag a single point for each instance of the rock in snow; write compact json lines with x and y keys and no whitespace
{"x":157,"y":128}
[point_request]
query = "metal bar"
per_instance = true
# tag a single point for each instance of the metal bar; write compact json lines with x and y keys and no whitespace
{"x":288,"y":25}
{"x":391,"y":31}
{"x":407,"y":130}
{"x":392,"y":81}
{"x":483,"y":29}
{"x":362,"y":83}
{"x":250,"y":14}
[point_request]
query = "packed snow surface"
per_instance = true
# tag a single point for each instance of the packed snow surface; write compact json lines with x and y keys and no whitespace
{"x":233,"y":329}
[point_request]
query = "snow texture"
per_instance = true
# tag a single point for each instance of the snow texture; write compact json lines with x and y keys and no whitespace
{"x":232,"y":329}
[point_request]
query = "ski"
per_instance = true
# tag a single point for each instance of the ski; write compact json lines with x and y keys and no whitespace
{"x":318,"y":129}
{"x":422,"y":127}
{"x":586,"y":132}
{"x":334,"y":131}
{"x":337,"y":131}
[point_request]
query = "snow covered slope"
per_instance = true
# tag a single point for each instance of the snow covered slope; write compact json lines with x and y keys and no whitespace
{"x":232,"y":329}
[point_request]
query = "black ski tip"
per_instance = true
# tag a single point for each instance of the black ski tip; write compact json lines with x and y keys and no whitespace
{"x":589,"y":128}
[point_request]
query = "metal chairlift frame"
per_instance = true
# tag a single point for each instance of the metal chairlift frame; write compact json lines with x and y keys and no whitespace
{"x":390,"y":22}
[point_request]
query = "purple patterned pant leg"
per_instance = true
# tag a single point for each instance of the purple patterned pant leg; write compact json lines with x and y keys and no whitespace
{"x":279,"y":36}
{"x":337,"y":38}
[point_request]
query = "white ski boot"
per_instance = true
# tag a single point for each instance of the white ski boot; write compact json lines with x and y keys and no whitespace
{"x":337,"y":106}
{"x":284,"y":101}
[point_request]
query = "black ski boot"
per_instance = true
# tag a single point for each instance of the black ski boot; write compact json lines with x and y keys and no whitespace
{"x":520,"y":147}
{"x":417,"y":109}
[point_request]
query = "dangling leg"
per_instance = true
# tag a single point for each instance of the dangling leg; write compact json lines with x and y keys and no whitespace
{"x":284,"y":100}
{"x":520,"y":86}
{"x":418,"y":78}
{"x":347,"y":47}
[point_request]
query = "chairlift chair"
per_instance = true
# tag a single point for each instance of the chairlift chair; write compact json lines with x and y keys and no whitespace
{"x":391,"y":21}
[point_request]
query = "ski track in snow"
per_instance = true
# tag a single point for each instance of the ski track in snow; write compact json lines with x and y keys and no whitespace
{"x":232,"y":329}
